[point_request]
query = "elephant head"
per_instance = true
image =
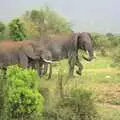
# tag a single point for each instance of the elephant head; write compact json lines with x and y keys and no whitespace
{"x":36,"y":54}
{"x":44,"y":55}
{"x":84,"y":42}
{"x":45,"y":59}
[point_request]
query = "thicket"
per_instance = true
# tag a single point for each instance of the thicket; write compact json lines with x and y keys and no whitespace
{"x":19,"y":94}
{"x":79,"y":105}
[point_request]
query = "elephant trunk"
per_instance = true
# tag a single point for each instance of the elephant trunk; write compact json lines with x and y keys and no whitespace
{"x":90,"y":53}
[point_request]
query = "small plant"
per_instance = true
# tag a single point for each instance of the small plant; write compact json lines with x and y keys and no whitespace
{"x":115,"y":101}
{"x":78,"y":106}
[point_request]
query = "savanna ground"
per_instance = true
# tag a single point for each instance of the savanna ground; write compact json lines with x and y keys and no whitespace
{"x":99,"y":77}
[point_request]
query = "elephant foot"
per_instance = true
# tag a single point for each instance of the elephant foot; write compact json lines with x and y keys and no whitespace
{"x":71,"y":77}
{"x":79,"y":72}
{"x":49,"y":77}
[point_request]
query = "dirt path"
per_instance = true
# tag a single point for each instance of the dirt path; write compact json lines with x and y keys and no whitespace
{"x":107,"y":105}
{"x":106,"y":70}
{"x":111,"y":71}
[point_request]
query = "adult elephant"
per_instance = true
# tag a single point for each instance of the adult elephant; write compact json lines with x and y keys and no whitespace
{"x":22,"y":53}
{"x":67,"y":46}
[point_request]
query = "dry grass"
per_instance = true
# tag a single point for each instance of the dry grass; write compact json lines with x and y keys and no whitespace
{"x":99,"y":77}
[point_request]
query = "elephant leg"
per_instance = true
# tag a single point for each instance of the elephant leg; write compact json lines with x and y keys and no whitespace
{"x":23,"y":60}
{"x":80,"y":66}
{"x":35,"y":64}
{"x":31,"y":64}
{"x":38,"y":67}
{"x":71,"y":62}
{"x":71,"y":69}
{"x":50,"y":71}
{"x":45,"y":68}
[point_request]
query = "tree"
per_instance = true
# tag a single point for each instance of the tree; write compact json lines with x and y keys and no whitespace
{"x":47,"y":21}
{"x":17,"y":30}
{"x":2,"y":30}
{"x":2,"y":27}
{"x":101,"y":43}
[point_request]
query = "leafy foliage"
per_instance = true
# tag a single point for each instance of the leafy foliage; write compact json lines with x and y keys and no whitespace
{"x":100,"y":40}
{"x":116,"y":57}
{"x":79,"y":105}
{"x":3,"y":96}
{"x":105,"y":43}
{"x":17,"y":30}
{"x":48,"y":21}
{"x":2,"y":27}
{"x":2,"y":30}
{"x":23,"y":96}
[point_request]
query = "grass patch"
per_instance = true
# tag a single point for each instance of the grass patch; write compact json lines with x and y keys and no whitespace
{"x":99,"y":77}
{"x":108,"y":112}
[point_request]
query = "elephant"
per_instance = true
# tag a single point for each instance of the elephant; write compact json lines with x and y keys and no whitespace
{"x":46,"y":60}
{"x":22,"y":53}
{"x":67,"y":46}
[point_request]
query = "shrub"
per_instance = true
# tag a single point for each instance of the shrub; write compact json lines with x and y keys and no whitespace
{"x":3,"y":96}
{"x":78,"y":106}
{"x":23,"y":97}
{"x":2,"y":27}
{"x":19,"y":77}
{"x":116,"y":57}
{"x":2,"y":30}
{"x":25,"y":102}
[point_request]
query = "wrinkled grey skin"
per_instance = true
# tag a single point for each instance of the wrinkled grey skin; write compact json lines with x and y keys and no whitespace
{"x":67,"y":47}
{"x":45,"y":50}
{"x":46,"y":59}
{"x":21,"y":53}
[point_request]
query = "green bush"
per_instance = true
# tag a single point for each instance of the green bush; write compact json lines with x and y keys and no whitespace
{"x":3,"y":96}
{"x":106,"y":44}
{"x":2,"y":30}
{"x":25,"y":102}
{"x":78,"y":106}
{"x":116,"y":57}
{"x":23,"y":97}
{"x":2,"y":27}
{"x":17,"y":30}
{"x":19,"y":77}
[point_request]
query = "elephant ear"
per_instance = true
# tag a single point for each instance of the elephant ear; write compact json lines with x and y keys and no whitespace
{"x":89,"y":35}
{"x":29,"y":52}
{"x":79,"y":43}
{"x":75,"y":38}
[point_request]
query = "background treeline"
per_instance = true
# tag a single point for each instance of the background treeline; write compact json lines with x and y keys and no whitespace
{"x":35,"y":23}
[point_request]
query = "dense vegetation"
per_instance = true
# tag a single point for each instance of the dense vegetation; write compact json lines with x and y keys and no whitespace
{"x":23,"y":95}
{"x":16,"y":30}
{"x":22,"y":98}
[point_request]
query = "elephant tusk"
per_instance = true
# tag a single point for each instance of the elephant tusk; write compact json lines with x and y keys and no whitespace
{"x":47,"y":61}
{"x":87,"y":59}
